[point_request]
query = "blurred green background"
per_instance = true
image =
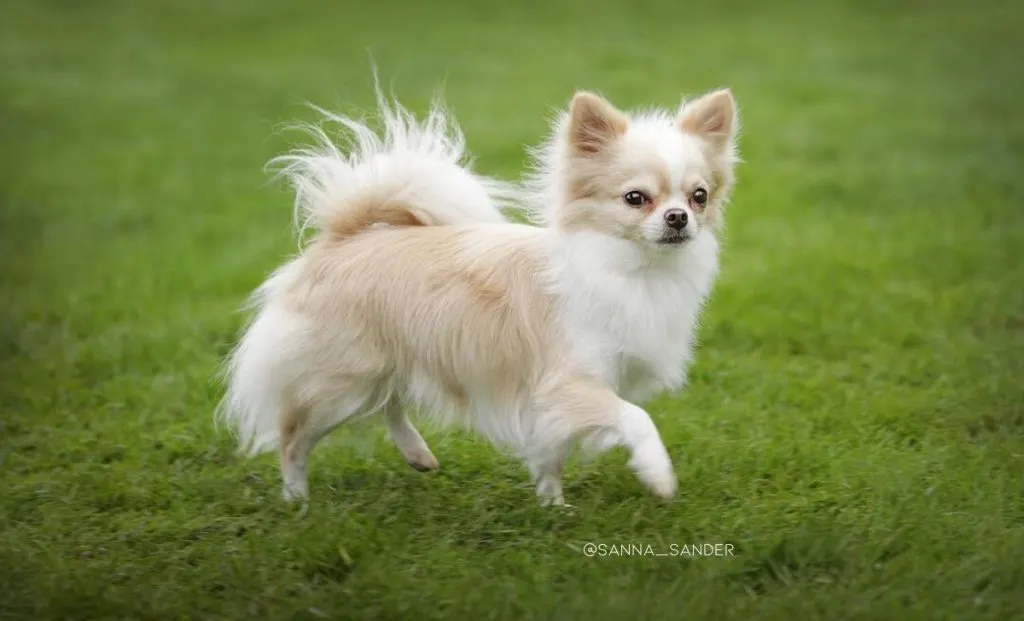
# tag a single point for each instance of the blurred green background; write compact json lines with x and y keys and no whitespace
{"x":855,"y":414}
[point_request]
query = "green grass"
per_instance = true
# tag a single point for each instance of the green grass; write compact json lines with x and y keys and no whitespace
{"x":855,"y":421}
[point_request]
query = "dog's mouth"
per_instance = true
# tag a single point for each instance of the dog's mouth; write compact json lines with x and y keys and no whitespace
{"x":674,"y":238}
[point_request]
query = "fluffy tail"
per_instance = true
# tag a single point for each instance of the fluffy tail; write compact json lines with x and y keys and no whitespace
{"x":411,"y":173}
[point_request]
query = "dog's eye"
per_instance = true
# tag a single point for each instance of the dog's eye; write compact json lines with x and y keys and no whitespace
{"x":636,"y":198}
{"x":700,"y":196}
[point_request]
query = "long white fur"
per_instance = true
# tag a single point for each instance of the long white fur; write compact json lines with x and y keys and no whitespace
{"x":422,"y":164}
{"x":425,"y":165}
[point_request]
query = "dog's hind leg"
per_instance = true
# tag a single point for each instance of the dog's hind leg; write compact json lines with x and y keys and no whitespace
{"x":546,"y":471}
{"x":301,"y":429}
{"x":409,"y":441}
{"x":297,"y":440}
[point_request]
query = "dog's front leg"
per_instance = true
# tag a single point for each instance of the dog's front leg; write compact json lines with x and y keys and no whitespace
{"x":585,"y":410}
{"x":650,"y":459}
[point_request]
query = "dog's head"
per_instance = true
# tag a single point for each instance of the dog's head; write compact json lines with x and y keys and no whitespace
{"x":654,"y":178}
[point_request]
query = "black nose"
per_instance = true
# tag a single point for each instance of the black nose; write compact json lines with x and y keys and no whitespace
{"x":676,"y":218}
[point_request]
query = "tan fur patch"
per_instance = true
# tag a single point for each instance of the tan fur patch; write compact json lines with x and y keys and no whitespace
{"x":291,"y":420}
{"x":348,"y":223}
{"x":452,"y":302}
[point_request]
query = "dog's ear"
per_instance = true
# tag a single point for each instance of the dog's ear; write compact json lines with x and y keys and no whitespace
{"x":593,"y":123}
{"x":712,"y":117}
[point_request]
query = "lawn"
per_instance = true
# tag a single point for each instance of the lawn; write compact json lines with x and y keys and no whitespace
{"x":854,"y":424}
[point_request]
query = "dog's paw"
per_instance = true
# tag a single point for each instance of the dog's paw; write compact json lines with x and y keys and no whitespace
{"x":661,"y":480}
{"x":423,"y":462}
{"x":663,"y":486}
{"x":552,"y":501}
{"x":292,"y":493}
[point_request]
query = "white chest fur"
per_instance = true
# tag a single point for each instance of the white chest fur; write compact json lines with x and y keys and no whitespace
{"x":631,"y":317}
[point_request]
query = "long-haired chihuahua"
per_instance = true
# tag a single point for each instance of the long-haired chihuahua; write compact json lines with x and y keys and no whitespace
{"x":416,"y":294}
